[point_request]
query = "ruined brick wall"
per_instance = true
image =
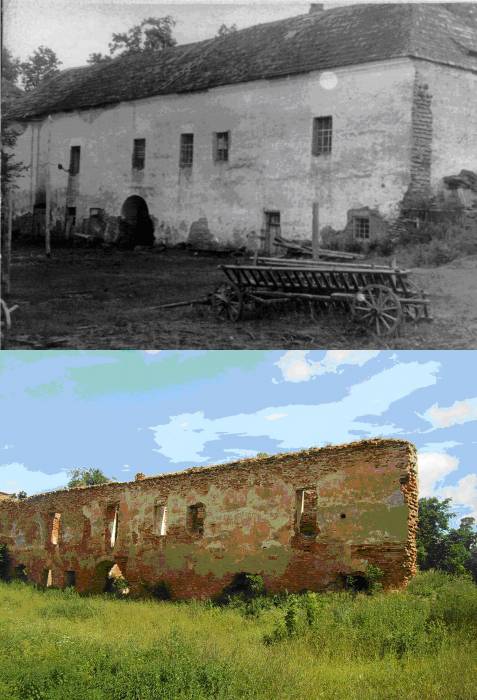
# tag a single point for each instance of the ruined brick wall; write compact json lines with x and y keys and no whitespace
{"x":301,"y":520}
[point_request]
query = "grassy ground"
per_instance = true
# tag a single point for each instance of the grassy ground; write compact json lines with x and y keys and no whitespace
{"x":91,"y":298}
{"x":418,"y":644}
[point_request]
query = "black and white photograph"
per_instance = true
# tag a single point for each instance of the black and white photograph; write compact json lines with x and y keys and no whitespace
{"x":239,"y":176}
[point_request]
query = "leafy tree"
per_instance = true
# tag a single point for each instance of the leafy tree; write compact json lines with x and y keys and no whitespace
{"x":86,"y":477}
{"x":11,"y":67}
{"x":152,"y":34}
{"x":95,"y":58}
{"x":42,"y":64}
{"x":224,"y":30}
{"x":21,"y":495}
{"x":441,"y":547}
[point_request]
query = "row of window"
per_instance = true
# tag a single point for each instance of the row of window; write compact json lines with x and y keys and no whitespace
{"x":305,"y":518}
{"x":321,"y":144}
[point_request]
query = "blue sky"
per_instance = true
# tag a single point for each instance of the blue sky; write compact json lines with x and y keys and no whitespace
{"x":130,"y":411}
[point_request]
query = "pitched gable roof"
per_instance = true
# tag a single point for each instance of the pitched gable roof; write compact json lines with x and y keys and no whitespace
{"x":330,"y":39}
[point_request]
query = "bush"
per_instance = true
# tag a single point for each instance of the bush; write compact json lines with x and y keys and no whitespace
{"x":160,"y":591}
{"x":243,"y":586}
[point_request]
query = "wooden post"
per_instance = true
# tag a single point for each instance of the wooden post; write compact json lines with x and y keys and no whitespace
{"x":7,"y":251}
{"x":315,"y":232}
{"x":48,"y":194}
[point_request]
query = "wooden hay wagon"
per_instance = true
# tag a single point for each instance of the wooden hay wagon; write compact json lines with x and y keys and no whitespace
{"x":378,"y":297}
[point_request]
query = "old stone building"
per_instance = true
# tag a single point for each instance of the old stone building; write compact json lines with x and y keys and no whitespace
{"x":340,"y":118}
{"x":303,"y":520}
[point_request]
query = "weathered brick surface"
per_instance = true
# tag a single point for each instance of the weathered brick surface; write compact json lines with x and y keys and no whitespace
{"x":366,"y":512}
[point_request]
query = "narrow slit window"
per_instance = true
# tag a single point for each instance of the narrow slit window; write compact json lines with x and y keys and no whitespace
{"x":75,"y":157}
{"x":187,"y":150}
{"x":139,"y":154}
{"x":112,"y":517}
{"x":55,"y":527}
{"x":47,"y":578}
{"x":306,"y":511}
{"x":322,"y":135}
{"x":160,"y":520}
{"x":195,"y":518}
{"x":361,"y":228}
{"x":221,"y":146}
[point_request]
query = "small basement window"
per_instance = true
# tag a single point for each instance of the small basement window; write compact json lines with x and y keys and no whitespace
{"x":195,"y":518}
{"x":160,"y":520}
{"x":221,"y":146}
{"x":55,"y":527}
{"x":306,"y":506}
{"x":75,"y":157}
{"x":187,"y":150}
{"x":322,"y":135}
{"x":361,"y":228}
{"x":139,"y":154}
{"x":112,"y":516}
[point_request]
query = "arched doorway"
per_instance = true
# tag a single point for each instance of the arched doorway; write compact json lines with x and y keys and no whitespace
{"x":136,"y":227}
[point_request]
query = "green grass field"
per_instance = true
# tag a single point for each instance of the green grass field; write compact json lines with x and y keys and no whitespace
{"x":421,"y":643}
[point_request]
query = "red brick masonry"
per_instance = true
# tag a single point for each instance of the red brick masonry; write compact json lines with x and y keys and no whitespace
{"x":302,"y":520}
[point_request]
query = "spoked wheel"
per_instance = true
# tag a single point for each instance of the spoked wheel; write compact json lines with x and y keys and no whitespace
{"x":227,"y":303}
{"x":377,"y":307}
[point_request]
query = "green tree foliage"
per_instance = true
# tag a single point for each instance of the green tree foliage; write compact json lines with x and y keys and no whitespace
{"x":152,"y":34}
{"x":86,"y":477}
{"x":224,"y":30}
{"x":95,"y":58}
{"x":441,"y":547}
{"x":10,"y":66}
{"x":42,"y":64}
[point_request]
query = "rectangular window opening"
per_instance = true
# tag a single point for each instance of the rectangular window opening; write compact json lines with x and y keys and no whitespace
{"x":187,"y":150}
{"x":160,"y":520}
{"x":196,"y":517}
{"x":322,"y":135}
{"x":75,"y":156}
{"x":306,"y":510}
{"x":47,"y":578}
{"x":55,"y":527}
{"x":139,"y":154}
{"x":361,"y":228}
{"x":112,"y":518}
{"x":71,"y":214}
{"x":221,"y":146}
{"x":70,"y":579}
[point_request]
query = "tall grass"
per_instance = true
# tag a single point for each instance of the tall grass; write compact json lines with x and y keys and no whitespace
{"x":420,"y":643}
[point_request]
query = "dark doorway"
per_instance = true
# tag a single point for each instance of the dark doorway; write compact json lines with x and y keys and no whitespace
{"x":70,"y":579}
{"x":135,"y":225}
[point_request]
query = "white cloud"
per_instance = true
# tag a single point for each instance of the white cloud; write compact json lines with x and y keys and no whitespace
{"x":8,"y":447}
{"x":241,"y":452}
{"x":297,"y":367}
{"x":152,"y":352}
{"x":433,"y":468}
{"x":459,"y":412}
{"x":16,"y":477}
{"x":184,"y":437}
{"x":463,"y":494}
{"x":276,"y":416}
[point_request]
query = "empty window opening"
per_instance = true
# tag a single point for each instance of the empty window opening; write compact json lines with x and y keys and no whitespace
{"x":306,"y":502}
{"x":55,"y":527}
{"x":47,"y":578}
{"x":187,"y":150}
{"x":322,"y":135}
{"x":196,"y":517}
{"x":70,"y":579}
{"x":139,"y":154}
{"x":361,"y":228}
{"x":343,"y":515}
{"x":75,"y":157}
{"x":112,"y":518}
{"x":71,"y":214}
{"x":160,"y":520}
{"x":221,"y":146}
{"x":20,"y":573}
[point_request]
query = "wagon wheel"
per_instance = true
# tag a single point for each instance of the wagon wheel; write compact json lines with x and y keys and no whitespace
{"x":227,"y":302}
{"x":377,"y":306}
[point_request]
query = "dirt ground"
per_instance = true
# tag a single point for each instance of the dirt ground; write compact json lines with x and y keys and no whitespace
{"x":96,"y":299}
